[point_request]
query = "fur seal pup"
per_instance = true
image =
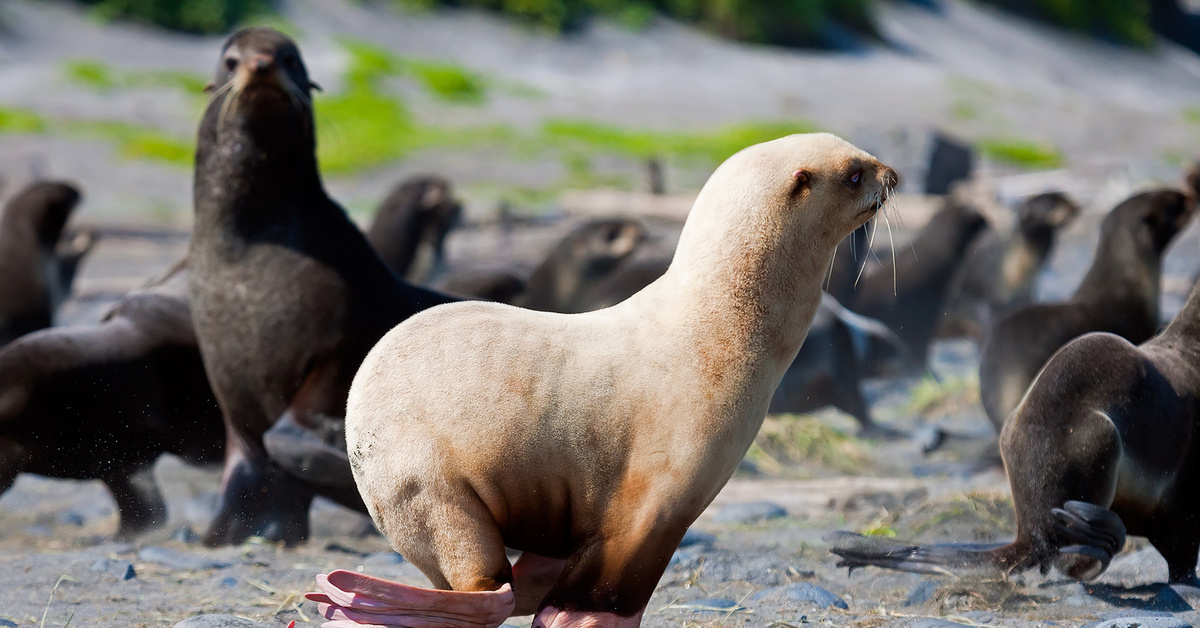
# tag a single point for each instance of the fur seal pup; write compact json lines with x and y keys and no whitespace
{"x":1119,"y":294}
{"x":592,"y":441}
{"x":1103,"y":442}
{"x":588,"y":254}
{"x":36,"y":272}
{"x":909,"y":292}
{"x":104,"y":401}
{"x":286,"y":293}
{"x":409,"y":229}
{"x":999,"y":273}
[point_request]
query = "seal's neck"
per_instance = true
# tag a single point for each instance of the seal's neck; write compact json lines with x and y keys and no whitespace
{"x":252,"y":176}
{"x":1184,"y":330}
{"x":1124,"y":270}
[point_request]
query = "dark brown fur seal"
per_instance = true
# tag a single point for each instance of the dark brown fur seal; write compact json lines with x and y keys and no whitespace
{"x":287,"y":294}
{"x":35,"y":274}
{"x":104,"y":401}
{"x":999,"y":273}
{"x":908,"y":294}
{"x":409,"y":229}
{"x":1119,"y":295}
{"x":1106,"y":425}
{"x":588,"y":254}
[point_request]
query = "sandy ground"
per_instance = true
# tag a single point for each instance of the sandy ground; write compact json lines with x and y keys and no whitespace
{"x":1117,"y":115}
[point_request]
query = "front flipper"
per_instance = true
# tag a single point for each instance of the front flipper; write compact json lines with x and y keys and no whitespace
{"x":1091,"y":536}
{"x":316,"y":456}
{"x":354,"y":599}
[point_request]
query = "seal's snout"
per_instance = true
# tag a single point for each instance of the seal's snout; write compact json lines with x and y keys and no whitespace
{"x":260,"y":63}
{"x":890,"y":178}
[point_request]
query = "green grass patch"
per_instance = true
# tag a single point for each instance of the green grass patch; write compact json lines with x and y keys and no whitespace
{"x":21,"y":121}
{"x":134,"y":141}
{"x":1023,"y":153}
{"x":788,"y":439}
{"x":1191,"y":115}
{"x":99,"y":76}
{"x":448,"y":81}
{"x":964,"y":110}
{"x":930,"y":397}
{"x":712,"y":147}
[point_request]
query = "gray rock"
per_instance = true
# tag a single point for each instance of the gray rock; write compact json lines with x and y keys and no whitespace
{"x":750,"y":512}
{"x":229,"y":582}
{"x":1143,"y":622}
{"x":7,"y":623}
{"x":696,"y":537}
{"x":39,"y":529}
{"x":220,"y":621}
{"x":934,"y":623}
{"x":710,"y":605}
{"x":804,"y":592}
{"x":118,"y":568}
{"x":922,"y":593}
{"x":179,"y":560}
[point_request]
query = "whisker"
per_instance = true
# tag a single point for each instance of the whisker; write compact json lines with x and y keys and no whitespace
{"x":870,"y":249}
{"x":832,"y":260}
{"x":892,"y":241}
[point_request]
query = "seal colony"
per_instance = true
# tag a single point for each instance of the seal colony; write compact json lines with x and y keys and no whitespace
{"x":623,"y":423}
{"x":1106,"y":425}
{"x":286,"y":293}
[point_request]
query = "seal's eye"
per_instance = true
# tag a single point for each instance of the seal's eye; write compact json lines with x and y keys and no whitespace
{"x":230,"y":63}
{"x":854,"y":179}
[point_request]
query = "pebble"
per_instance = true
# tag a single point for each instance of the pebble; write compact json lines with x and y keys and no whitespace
{"x":219,"y":621}
{"x":925,"y":591}
{"x":750,"y":512}
{"x":1142,"y":622}
{"x":185,"y":534}
{"x":7,"y":623}
{"x":118,"y":568}
{"x":804,"y":592}
{"x":710,"y":605}
{"x":383,"y":558}
{"x":178,"y":560}
{"x":70,"y":518}
{"x":229,"y":582}
{"x":696,"y":537}
{"x":934,"y":623}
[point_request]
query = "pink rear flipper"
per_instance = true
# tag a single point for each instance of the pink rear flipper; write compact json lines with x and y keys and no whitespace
{"x":352,"y":599}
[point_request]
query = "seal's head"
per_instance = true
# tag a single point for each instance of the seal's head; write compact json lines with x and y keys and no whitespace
{"x":45,"y":207}
{"x":1151,"y":218}
{"x":1046,"y":212}
{"x":817,"y":188}
{"x":261,"y":81}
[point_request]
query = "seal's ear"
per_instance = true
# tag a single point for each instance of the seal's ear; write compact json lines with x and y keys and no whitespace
{"x":313,"y":84}
{"x":209,"y":86}
{"x":803,"y":178}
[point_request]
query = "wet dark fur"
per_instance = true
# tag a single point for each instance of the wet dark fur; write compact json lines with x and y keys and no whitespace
{"x":287,"y":294}
{"x":1119,"y":295}
{"x":104,"y":401}
{"x":909,"y":295}
{"x":409,"y":229}
{"x":981,"y":291}
{"x":35,"y":275}
{"x":1106,"y":425}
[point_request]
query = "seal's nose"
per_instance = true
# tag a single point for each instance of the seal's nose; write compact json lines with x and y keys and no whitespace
{"x":890,"y":178}
{"x":260,"y":63}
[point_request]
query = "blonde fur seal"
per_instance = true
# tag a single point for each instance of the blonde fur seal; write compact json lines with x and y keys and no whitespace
{"x":592,"y":441}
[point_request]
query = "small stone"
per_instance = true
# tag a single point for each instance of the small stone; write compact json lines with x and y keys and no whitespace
{"x":710,"y":605}
{"x":1144,"y":622}
{"x":7,"y":623}
{"x":383,"y":558}
{"x":696,"y":537}
{"x":980,"y":617}
{"x":185,"y":534}
{"x":229,"y":582}
{"x":178,"y":560}
{"x":39,"y":529}
{"x":925,"y":591}
{"x":334,"y":546}
{"x":750,"y":512}
{"x":118,"y":568}
{"x":804,"y":592}
{"x":70,"y":518}
{"x":219,"y":621}
{"x":934,"y":623}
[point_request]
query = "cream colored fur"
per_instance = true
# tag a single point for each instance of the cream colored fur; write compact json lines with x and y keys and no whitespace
{"x":473,"y":425}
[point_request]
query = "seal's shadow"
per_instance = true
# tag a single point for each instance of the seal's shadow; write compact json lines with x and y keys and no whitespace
{"x":1146,"y":597}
